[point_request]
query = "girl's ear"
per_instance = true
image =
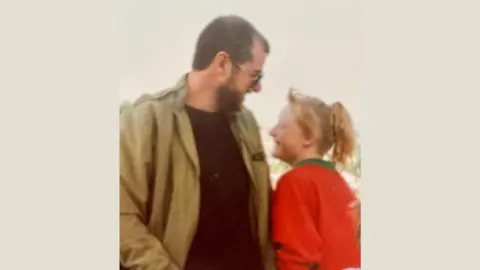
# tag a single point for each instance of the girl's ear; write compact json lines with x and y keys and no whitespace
{"x":309,"y":140}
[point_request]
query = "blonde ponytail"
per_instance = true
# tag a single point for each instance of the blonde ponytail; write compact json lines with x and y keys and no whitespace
{"x":343,"y":135}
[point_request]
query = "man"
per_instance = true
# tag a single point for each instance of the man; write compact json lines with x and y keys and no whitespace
{"x":194,"y":183}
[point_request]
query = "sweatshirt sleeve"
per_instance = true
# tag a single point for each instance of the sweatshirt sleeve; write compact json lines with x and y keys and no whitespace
{"x":295,"y":235}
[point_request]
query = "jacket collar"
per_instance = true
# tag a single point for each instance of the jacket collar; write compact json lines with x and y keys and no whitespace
{"x":181,"y":96}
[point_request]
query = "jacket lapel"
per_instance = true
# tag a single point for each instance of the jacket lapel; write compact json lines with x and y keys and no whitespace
{"x":246,"y":148}
{"x":185,"y":133}
{"x":183,"y":125}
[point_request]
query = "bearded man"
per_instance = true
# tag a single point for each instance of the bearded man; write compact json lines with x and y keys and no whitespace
{"x":194,"y":181}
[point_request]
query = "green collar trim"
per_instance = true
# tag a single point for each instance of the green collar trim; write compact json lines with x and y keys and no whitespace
{"x":319,"y":162}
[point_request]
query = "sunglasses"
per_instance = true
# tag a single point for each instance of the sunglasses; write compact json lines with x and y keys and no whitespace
{"x":256,"y":78}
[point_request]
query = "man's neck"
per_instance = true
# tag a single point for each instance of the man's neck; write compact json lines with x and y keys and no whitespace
{"x":201,"y":94}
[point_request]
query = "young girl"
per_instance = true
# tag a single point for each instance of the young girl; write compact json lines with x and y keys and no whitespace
{"x":315,"y":213}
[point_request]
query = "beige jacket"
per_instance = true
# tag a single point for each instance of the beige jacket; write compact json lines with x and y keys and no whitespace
{"x":159,"y":181}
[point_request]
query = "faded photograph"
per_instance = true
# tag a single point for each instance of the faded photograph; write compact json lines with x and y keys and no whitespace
{"x":239,"y":136}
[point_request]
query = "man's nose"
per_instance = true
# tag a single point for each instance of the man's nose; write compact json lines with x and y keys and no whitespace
{"x":257,"y":87}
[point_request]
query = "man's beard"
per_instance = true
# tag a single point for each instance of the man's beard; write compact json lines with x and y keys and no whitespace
{"x":229,"y":100}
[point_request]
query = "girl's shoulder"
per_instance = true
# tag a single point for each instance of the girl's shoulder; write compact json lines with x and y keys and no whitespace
{"x":298,"y":176}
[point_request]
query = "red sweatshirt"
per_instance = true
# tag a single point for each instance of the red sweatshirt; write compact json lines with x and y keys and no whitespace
{"x":313,"y":226}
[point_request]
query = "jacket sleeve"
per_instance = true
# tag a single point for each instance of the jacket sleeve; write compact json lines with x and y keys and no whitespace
{"x":139,"y":249}
{"x":297,"y":241}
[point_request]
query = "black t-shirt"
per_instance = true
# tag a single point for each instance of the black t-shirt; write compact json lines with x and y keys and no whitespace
{"x":224,"y":239}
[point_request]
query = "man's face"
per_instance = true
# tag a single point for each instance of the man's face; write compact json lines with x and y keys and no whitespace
{"x":244,"y":79}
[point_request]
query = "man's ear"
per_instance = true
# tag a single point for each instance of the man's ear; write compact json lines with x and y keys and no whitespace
{"x":222,"y":65}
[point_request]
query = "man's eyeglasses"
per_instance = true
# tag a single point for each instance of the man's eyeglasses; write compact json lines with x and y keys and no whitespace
{"x":256,"y":77}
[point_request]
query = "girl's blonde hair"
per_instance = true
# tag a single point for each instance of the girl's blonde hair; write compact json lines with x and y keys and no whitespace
{"x":330,"y":123}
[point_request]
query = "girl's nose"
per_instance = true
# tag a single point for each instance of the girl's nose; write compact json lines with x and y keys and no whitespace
{"x":272,"y":132}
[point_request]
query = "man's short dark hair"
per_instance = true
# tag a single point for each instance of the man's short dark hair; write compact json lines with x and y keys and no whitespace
{"x":232,"y":34}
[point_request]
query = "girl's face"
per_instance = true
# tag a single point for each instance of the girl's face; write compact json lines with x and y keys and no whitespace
{"x":288,"y":137}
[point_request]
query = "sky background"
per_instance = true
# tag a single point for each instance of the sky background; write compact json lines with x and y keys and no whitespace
{"x":316,"y":47}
